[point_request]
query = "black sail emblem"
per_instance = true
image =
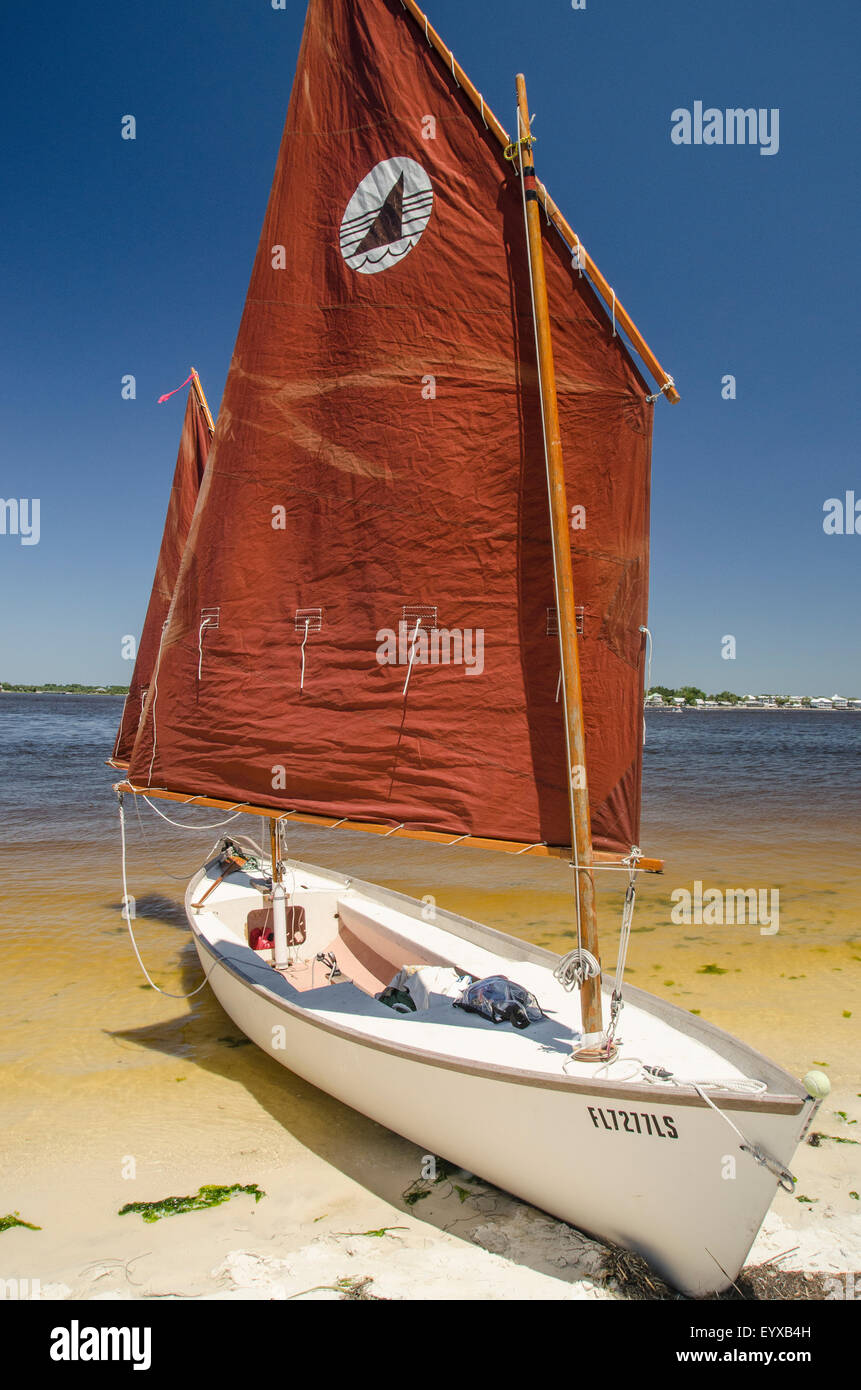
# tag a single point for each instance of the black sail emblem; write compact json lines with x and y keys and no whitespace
{"x":388,"y":226}
{"x":386,"y":215}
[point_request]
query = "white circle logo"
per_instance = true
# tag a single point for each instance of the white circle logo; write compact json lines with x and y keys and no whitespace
{"x":386,"y":215}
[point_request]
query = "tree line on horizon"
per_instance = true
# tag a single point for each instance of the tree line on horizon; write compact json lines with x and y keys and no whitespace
{"x":691,"y":693}
{"x":69,"y":688}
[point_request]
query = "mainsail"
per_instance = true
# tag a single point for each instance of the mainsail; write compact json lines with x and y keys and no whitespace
{"x":190,"y":464}
{"x":363,"y":625}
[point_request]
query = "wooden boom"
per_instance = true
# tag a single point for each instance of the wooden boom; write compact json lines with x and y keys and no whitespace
{"x":604,"y":859}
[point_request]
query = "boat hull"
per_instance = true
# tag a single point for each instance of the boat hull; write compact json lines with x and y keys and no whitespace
{"x":665,"y":1180}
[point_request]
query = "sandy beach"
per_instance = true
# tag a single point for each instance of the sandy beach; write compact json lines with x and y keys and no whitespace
{"x":114,"y":1094}
{"x":333,"y":1223}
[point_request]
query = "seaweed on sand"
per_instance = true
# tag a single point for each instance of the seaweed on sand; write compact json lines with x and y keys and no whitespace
{"x":14,"y":1219}
{"x":206,"y":1196}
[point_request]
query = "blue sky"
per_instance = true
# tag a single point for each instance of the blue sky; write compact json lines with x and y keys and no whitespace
{"x":133,"y":257}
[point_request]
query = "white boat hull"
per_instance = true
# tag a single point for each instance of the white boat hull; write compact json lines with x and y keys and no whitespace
{"x":662,"y":1176}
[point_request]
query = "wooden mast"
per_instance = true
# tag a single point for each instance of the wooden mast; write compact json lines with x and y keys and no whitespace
{"x":572,"y":698}
{"x":202,"y":402}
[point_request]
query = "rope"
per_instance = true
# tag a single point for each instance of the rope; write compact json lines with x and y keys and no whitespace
{"x":178,"y":878}
{"x":613,"y":293}
{"x":180,"y":825}
{"x":128,"y":917}
{"x":583,"y":962}
{"x":617,"y":1003}
{"x":576,"y":968}
{"x":205,"y":624}
{"x":644,"y":629}
{"x":666,"y":386}
{"x":155,"y":697}
{"x":412,"y":655}
{"x":304,"y":640}
{"x":659,"y":1076}
{"x":512,"y":151}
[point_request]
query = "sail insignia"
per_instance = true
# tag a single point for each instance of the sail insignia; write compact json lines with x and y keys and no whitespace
{"x":386,"y":216}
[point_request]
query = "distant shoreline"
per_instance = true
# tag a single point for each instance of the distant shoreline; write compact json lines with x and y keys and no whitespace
{"x":750,"y":709}
{"x":115,"y":691}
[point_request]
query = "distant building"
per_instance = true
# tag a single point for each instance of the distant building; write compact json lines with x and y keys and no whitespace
{"x":821,"y":702}
{"x":656,"y":699}
{"x":839,"y":702}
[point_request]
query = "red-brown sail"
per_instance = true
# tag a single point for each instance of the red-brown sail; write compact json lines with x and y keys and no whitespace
{"x":363,"y":623}
{"x":190,"y":463}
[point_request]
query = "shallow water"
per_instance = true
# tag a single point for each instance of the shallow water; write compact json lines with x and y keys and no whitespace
{"x":763,"y":799}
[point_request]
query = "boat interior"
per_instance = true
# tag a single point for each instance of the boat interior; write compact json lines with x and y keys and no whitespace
{"x":349,"y":940}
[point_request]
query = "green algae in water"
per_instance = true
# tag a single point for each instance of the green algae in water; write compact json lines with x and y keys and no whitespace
{"x":380,"y":1234}
{"x":207,"y":1196}
{"x":711,"y":970}
{"x":14,"y":1219}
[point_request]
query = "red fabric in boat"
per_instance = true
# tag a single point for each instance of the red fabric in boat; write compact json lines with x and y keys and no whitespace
{"x":342,"y":478}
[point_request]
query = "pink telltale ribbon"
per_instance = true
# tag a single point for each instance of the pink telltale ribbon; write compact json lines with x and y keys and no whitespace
{"x":178,"y":388}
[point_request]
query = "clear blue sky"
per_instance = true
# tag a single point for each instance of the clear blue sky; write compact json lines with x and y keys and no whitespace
{"x":125,"y":256}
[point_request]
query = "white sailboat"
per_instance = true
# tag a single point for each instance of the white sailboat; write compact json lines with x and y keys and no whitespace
{"x":386,"y":620}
